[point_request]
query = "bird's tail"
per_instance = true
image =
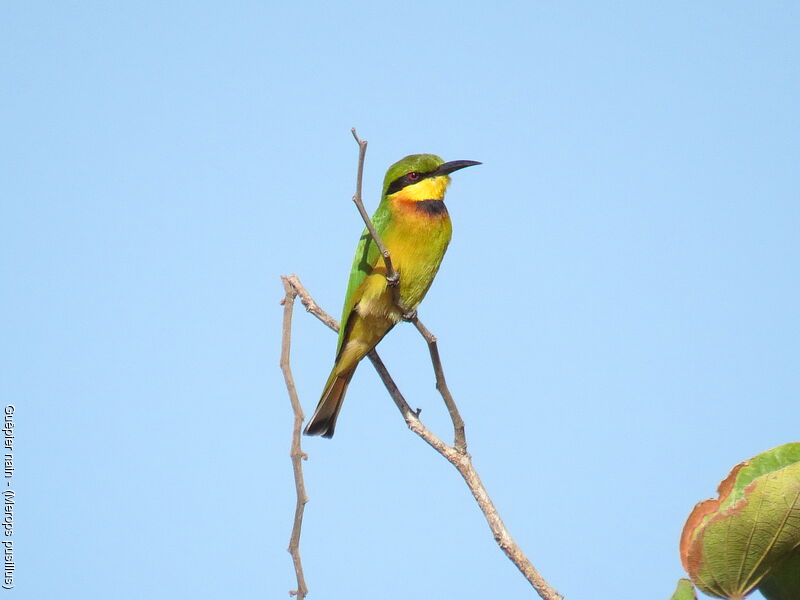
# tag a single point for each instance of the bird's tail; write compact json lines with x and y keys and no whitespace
{"x":324,"y":419}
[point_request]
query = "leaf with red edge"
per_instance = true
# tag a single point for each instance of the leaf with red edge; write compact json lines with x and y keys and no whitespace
{"x":731,"y":543}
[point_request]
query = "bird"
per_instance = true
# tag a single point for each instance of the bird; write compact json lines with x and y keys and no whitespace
{"x":414,"y":226}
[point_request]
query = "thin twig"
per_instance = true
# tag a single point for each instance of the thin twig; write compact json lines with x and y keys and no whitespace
{"x":313,"y":308}
{"x":296,"y":453}
{"x":393,"y":280}
{"x":392,"y":276}
{"x":460,"y":441}
{"x":461,"y":460}
{"x":333,"y":324}
{"x":310,"y":304}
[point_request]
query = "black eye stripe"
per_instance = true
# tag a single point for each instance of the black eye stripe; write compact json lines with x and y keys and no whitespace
{"x":403,"y":181}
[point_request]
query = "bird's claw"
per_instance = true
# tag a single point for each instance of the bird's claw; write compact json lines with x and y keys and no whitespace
{"x":409,"y":316}
{"x":393,"y":279}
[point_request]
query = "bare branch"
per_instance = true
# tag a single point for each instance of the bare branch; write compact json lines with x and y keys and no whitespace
{"x":393,"y":279}
{"x":296,"y":453}
{"x":459,"y":458}
{"x":392,"y":276}
{"x":309,"y":303}
{"x":460,"y":441}
{"x":314,"y":309}
{"x":457,"y":454}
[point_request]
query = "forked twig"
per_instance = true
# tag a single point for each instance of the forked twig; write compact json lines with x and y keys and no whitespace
{"x":462,"y":461}
{"x":393,"y":280}
{"x":296,"y":453}
{"x":313,"y":308}
{"x":456,"y":454}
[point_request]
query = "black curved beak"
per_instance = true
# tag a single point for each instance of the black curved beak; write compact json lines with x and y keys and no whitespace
{"x":455,"y":165}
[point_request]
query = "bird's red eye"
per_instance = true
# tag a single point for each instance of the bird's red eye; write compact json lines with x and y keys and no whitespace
{"x":413,"y":176}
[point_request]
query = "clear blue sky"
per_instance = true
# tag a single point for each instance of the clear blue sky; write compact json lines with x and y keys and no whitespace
{"x":618,"y":310}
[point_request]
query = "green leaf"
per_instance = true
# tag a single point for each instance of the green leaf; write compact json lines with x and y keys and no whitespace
{"x":684,"y":591}
{"x":731,"y":543}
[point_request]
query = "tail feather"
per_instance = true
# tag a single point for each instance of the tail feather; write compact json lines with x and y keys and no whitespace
{"x":323,"y":421}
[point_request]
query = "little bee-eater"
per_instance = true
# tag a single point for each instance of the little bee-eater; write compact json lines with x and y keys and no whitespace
{"x":413,"y":223}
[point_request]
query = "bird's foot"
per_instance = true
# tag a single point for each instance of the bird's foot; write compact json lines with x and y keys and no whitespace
{"x":392,"y":279}
{"x":409,"y":316}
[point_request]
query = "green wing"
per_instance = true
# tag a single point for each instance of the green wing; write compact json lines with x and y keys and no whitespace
{"x":366,"y":257}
